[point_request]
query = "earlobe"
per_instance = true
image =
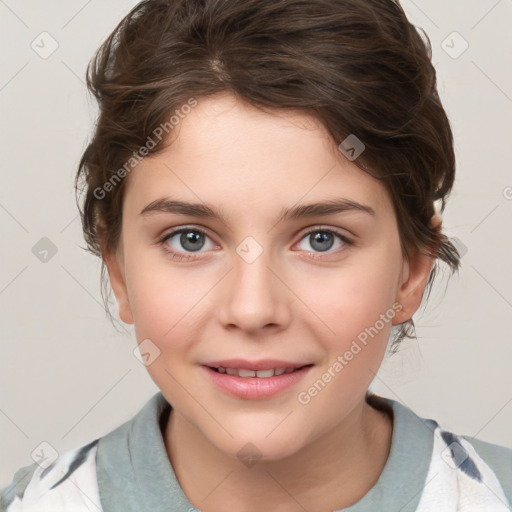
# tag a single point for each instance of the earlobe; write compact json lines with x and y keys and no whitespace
{"x":115,"y":267}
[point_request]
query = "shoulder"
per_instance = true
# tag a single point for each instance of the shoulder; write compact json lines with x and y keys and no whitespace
{"x":72,"y":478}
{"x":459,"y":468}
{"x":461,"y":477}
{"x":498,"y":458}
{"x":69,"y":480}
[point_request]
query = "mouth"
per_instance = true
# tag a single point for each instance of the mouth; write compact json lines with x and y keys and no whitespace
{"x":264,"y":380}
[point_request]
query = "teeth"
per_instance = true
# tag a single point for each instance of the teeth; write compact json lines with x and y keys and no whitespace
{"x":255,"y":373}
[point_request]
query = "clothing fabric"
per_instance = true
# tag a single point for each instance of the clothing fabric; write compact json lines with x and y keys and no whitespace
{"x":428,"y":470}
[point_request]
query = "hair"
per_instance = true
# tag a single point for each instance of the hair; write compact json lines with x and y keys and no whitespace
{"x":359,"y":67}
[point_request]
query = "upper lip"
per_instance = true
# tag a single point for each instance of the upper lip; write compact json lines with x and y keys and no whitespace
{"x":263,"y":364}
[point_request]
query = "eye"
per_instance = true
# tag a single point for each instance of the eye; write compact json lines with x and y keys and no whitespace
{"x":190,"y":240}
{"x":182,"y":243}
{"x":323,"y":239}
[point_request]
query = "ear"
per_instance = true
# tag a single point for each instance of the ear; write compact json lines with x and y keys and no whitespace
{"x":413,"y":280}
{"x":114,"y":262}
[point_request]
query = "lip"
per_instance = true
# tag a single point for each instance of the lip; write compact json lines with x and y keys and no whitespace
{"x":255,"y":388}
{"x":263,"y":364}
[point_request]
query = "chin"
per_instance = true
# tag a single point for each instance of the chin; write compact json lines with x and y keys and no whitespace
{"x":259,"y":448}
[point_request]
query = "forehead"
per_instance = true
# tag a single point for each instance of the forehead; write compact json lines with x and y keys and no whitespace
{"x":227,"y":152}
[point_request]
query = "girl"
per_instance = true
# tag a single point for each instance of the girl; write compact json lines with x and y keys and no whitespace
{"x":262,"y":188}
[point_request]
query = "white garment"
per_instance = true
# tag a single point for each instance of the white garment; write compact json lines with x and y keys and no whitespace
{"x":459,"y":480}
{"x":76,"y":492}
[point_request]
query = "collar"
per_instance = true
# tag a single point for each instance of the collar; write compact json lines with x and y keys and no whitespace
{"x":134,"y":472}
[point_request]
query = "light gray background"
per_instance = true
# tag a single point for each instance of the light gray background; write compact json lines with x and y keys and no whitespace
{"x":68,"y":377}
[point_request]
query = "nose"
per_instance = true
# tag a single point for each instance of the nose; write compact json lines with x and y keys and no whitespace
{"x":255,"y":297}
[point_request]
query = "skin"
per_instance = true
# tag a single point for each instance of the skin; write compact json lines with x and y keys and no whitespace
{"x":286,"y":304}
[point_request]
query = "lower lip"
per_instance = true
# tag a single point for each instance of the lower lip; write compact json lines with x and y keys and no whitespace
{"x":254,"y":388}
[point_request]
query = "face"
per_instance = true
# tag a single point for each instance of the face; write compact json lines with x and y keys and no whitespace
{"x":255,"y":283}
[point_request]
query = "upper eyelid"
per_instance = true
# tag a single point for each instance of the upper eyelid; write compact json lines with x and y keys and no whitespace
{"x":337,"y":231}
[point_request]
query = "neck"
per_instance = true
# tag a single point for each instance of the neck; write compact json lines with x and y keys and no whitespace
{"x":333,"y":472}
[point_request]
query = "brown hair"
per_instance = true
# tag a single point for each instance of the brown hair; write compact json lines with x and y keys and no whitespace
{"x":358,"y":66}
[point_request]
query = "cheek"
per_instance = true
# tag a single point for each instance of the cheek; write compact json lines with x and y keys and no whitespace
{"x":356,"y":303}
{"x":166,"y":306}
{"x":165,"y":300}
{"x":155,"y":304}
{"x":353,"y":298}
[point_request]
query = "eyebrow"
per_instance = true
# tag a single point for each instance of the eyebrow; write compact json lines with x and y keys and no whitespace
{"x":324,"y":208}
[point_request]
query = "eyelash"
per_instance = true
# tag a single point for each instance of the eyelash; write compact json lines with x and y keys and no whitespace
{"x":180,"y":256}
